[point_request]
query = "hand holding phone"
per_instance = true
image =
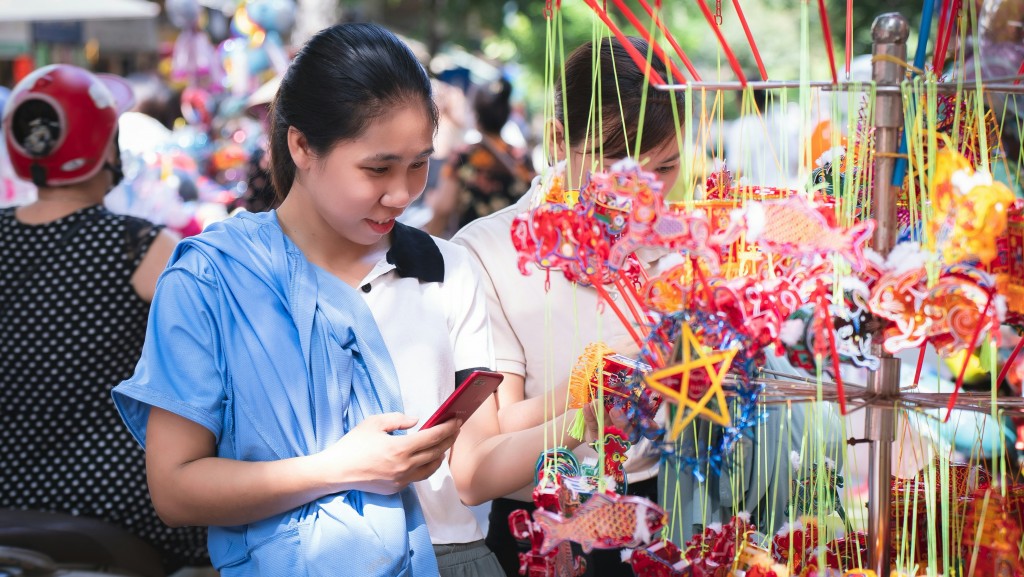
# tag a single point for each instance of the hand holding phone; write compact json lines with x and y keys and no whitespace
{"x":467,"y":398}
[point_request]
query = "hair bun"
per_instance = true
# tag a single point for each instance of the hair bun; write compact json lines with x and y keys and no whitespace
{"x":502,"y":87}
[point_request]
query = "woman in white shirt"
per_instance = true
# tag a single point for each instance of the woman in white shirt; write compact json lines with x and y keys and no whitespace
{"x":539,"y":332}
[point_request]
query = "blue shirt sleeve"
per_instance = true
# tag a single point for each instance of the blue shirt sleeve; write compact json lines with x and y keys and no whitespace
{"x":181,"y":368}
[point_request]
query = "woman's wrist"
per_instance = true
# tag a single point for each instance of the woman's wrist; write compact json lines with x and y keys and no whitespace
{"x":322,"y":476}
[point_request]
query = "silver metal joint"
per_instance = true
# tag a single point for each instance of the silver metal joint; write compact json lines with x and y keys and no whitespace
{"x":890,"y":28}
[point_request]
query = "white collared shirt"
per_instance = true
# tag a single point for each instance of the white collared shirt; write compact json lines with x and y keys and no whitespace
{"x":432,"y":330}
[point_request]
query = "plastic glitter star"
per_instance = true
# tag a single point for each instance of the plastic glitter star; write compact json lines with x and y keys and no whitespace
{"x":681,"y":385}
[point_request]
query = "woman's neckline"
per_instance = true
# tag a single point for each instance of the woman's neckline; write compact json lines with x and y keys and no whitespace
{"x":58,"y":219}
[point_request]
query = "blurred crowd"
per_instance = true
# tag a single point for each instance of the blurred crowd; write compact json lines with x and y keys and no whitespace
{"x":195,"y":143}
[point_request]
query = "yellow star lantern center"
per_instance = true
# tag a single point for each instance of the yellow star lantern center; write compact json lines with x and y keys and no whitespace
{"x":691,"y":389}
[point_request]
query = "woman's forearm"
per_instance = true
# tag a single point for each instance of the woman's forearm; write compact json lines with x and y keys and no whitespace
{"x":191,"y":486}
{"x":530,"y":413}
{"x":504,"y":463}
{"x":516,"y":413}
{"x":217,"y":491}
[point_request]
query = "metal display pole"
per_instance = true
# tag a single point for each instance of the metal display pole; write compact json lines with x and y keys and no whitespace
{"x":889,"y":38}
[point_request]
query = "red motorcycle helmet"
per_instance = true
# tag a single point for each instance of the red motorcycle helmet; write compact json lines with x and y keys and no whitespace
{"x":59,"y":121}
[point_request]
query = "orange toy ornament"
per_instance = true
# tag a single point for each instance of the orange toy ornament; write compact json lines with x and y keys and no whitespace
{"x":586,"y":373}
{"x":970,"y":209}
{"x":820,"y":142}
{"x":599,"y":368}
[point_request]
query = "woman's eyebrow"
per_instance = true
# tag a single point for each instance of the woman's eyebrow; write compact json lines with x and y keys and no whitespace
{"x":392,"y":157}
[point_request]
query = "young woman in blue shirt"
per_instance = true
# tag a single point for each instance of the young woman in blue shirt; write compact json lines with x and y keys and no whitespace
{"x":273,"y":394}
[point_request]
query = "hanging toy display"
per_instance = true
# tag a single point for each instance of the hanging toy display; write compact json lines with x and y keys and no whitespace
{"x":751,"y":276}
{"x":806,"y":497}
{"x":796,"y":227}
{"x":992,"y":536}
{"x":194,"y":61}
{"x":970,"y":210}
{"x":605,"y":521}
{"x":256,"y":52}
{"x":601,"y":372}
{"x":660,"y":559}
{"x":552,"y":496}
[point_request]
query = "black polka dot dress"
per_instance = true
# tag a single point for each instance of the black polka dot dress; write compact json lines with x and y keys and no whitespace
{"x":71,"y":328}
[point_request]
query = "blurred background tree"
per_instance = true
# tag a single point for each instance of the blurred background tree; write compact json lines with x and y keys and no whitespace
{"x":476,"y":23}
{"x":514,"y":31}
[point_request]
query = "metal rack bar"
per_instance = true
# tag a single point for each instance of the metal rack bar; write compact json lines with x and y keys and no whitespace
{"x":1002,"y":85}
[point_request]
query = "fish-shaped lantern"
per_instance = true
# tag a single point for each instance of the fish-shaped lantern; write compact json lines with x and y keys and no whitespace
{"x":796,"y":227}
{"x":605,"y":521}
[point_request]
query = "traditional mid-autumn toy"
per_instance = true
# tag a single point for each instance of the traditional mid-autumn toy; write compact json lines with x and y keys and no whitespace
{"x":991,"y":541}
{"x":807,"y":498}
{"x":652,"y":224}
{"x":957,"y":309}
{"x":605,"y":521}
{"x":970,"y":209}
{"x":614,"y":446}
{"x":659,"y":559}
{"x":601,"y":373}
{"x":550,"y":495}
{"x":796,"y":227}
{"x":694,"y":382}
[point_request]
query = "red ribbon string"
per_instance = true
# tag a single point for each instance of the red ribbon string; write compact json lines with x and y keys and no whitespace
{"x":920,"y":362}
{"x":940,"y":49}
{"x":638,"y":58}
{"x":721,"y":40}
{"x":830,"y":328}
{"x":849,"y":35}
{"x":750,"y":39}
{"x":638,"y":317}
{"x":826,"y":31}
{"x":607,"y":300}
{"x":970,"y":350}
{"x":643,"y":33}
{"x":940,"y":32}
{"x":671,"y":40}
{"x":1009,"y":361}
{"x":699,"y":273}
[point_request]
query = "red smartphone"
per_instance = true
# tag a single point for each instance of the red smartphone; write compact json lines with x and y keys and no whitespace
{"x":467,"y":398}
